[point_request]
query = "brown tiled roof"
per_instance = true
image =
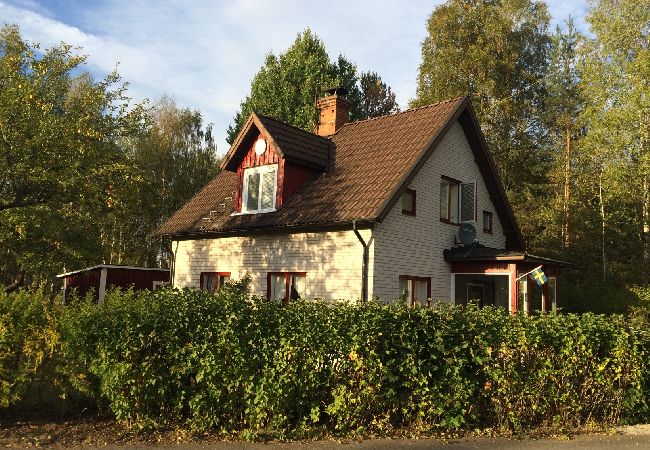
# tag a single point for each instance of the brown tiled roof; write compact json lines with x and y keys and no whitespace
{"x":372,"y":161}
{"x":292,"y":143}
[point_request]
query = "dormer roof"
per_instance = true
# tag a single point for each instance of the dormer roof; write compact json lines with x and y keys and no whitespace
{"x":291,"y":143}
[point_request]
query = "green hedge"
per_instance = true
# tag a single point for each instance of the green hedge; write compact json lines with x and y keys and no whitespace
{"x":230,"y":363}
{"x":28,"y":339}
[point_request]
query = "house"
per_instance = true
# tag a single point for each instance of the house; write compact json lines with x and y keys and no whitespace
{"x":360,"y":210}
{"x":104,"y":276}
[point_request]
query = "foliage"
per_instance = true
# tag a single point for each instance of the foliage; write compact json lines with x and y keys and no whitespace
{"x":227,"y":362}
{"x":287,"y":86}
{"x":170,"y":162}
{"x":28,"y":340}
{"x":58,"y":155}
{"x":496,"y":52}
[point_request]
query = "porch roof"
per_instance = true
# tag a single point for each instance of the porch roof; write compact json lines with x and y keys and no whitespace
{"x":477,"y":253}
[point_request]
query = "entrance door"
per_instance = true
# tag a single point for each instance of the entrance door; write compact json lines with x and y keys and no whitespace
{"x":476,"y":293}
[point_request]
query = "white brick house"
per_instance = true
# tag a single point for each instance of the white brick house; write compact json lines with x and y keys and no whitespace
{"x":359,"y":210}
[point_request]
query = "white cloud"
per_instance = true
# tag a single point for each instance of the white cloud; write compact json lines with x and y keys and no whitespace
{"x":205,"y":53}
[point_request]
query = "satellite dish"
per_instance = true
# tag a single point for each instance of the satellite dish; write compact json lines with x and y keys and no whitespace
{"x":467,"y":234}
{"x":260,"y":147}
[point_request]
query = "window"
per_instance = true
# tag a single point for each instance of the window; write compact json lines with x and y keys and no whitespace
{"x":211,"y":281}
{"x":457,"y":201}
{"x":414,"y":290}
{"x":487,"y":222}
{"x":260,"y":184}
{"x":408,"y":202}
{"x":283,"y":286}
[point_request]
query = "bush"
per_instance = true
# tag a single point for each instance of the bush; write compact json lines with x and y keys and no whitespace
{"x":227,"y":362}
{"x":28,"y":339}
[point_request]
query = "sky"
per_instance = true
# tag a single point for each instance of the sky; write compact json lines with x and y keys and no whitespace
{"x":205,"y":53}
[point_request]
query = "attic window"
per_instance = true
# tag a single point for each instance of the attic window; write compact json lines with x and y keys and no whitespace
{"x":260,"y":185}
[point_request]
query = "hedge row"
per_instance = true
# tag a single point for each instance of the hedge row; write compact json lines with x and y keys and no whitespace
{"x":227,"y":362}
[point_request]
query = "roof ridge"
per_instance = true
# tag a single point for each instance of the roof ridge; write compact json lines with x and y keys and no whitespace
{"x":409,"y":110}
{"x":291,"y":126}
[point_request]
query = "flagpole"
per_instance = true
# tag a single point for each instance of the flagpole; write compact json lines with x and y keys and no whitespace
{"x":529,"y":272}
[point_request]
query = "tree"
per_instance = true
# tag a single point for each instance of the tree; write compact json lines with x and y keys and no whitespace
{"x":59,"y":155}
{"x":616,"y":86}
{"x":377,"y":98}
{"x":172,"y":160}
{"x":497,"y":53}
{"x":563,"y":106}
{"x":288,"y":86}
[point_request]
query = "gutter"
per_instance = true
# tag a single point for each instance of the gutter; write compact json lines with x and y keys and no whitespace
{"x":364,"y":265}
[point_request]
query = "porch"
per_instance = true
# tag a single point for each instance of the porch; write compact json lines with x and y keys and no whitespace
{"x":496,"y":277}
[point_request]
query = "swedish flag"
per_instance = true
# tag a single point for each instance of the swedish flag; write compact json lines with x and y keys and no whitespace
{"x":538,"y":276}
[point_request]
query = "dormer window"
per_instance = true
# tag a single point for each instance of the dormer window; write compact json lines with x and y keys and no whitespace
{"x":260,"y":185}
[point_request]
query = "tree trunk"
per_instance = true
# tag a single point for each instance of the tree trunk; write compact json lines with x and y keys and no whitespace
{"x":567,"y":189}
{"x":602,"y":219}
{"x":645,"y":158}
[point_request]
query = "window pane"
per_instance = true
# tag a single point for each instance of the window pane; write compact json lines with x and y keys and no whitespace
{"x":253,"y":192}
{"x":405,"y":290}
{"x":222,"y":280}
{"x":467,"y":202}
{"x":421,"y":291}
{"x":453,"y":200}
{"x":487,"y":221}
{"x":209,"y":282}
{"x":297,"y":287}
{"x":407,"y":201}
{"x":278,"y":287}
{"x":444,"y":199}
{"x":268,"y":191}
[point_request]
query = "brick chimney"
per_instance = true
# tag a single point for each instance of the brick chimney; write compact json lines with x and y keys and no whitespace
{"x":334,"y":111}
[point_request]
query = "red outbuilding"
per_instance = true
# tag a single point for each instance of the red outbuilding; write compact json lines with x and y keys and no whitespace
{"x":101,"y":277}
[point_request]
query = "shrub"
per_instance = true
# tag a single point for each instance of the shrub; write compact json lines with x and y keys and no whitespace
{"x":228,"y":362}
{"x":28,"y":339}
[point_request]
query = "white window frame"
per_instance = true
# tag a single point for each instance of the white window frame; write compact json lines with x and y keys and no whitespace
{"x":455,"y":217}
{"x":261,"y":170}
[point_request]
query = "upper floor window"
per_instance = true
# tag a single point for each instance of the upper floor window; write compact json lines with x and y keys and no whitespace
{"x":457,"y":201}
{"x":487,"y":222}
{"x":260,"y":185}
{"x":408,"y":202}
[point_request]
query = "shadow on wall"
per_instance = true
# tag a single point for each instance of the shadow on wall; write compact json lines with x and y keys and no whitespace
{"x":331,"y":260}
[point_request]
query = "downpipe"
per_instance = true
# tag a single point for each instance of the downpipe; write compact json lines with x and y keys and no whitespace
{"x":364,"y":265}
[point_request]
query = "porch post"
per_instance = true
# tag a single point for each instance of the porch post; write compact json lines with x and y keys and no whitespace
{"x":545,"y":305}
{"x":512,"y":268}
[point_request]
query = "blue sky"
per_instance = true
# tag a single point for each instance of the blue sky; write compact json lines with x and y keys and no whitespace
{"x":204,"y":53}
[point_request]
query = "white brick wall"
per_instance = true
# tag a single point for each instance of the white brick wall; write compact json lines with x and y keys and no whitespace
{"x":332,"y":260}
{"x":400,"y":245}
{"x":413,"y":245}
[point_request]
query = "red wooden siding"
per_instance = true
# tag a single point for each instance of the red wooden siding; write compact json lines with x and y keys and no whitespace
{"x":291,"y":176}
{"x":294,"y":176}
{"x":138,"y":279}
{"x":83,"y":282}
{"x":270,"y":156}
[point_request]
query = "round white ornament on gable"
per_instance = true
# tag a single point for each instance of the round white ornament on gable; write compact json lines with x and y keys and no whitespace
{"x":260,"y":147}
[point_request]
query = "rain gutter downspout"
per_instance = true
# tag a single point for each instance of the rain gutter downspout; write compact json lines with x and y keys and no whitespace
{"x":364,"y":266}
